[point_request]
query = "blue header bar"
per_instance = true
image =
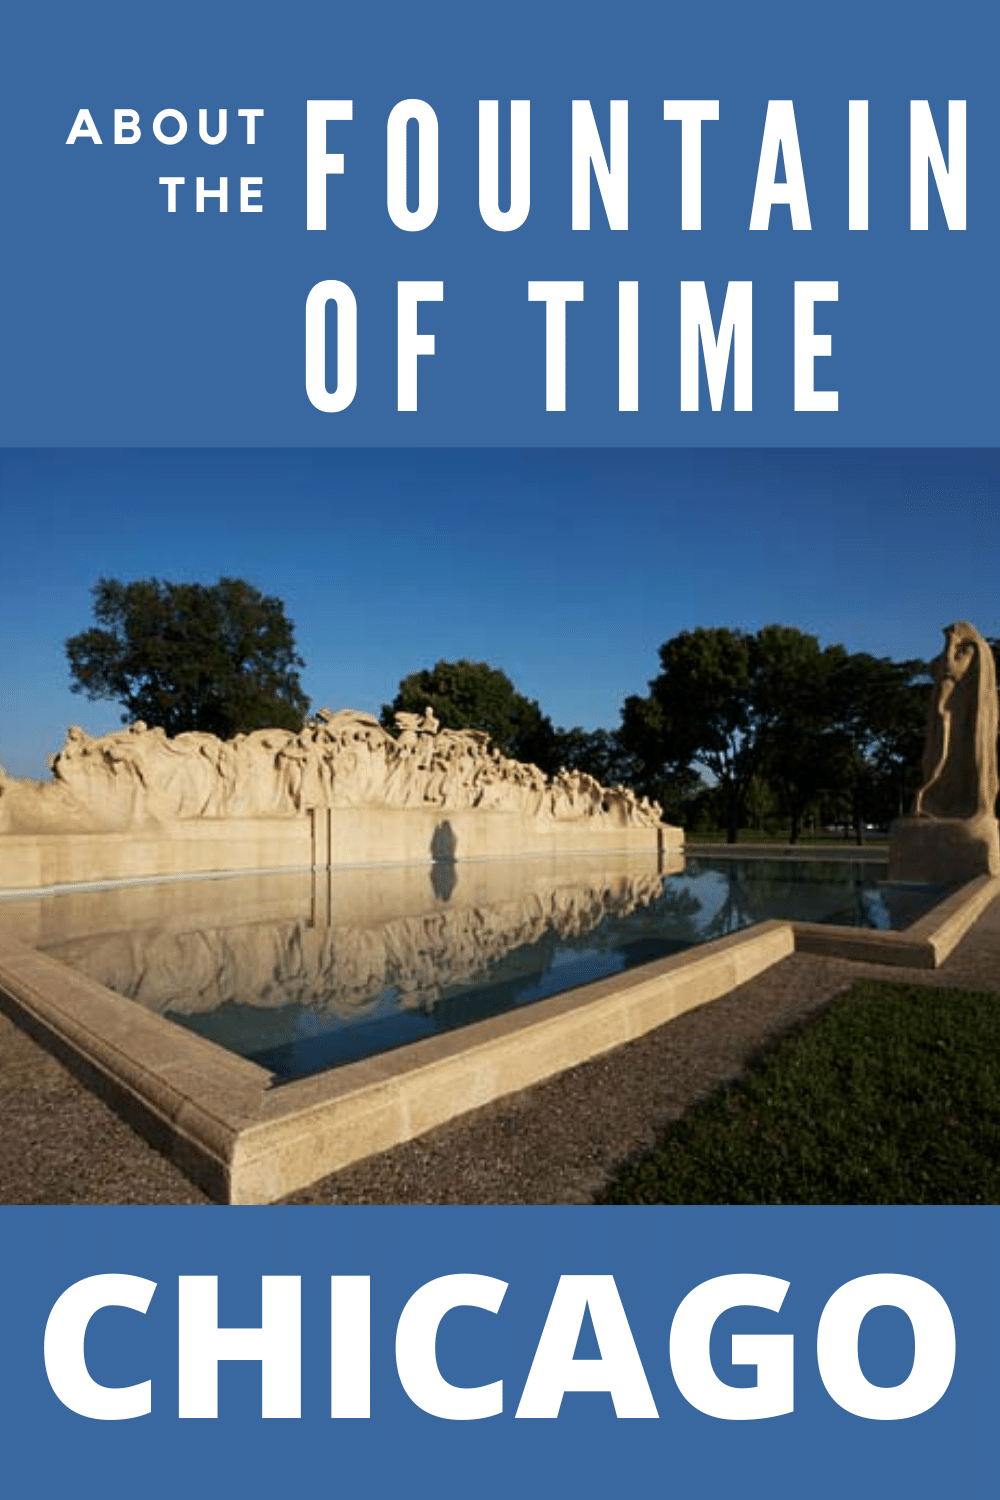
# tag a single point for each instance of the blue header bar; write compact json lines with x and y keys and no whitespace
{"x":551,"y":225}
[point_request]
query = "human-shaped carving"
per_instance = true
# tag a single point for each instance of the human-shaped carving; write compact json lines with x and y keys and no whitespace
{"x":960,"y":758}
{"x":952,"y":834}
{"x":104,"y":774}
{"x":402,"y":782}
{"x":263,"y":780}
{"x":140,"y":776}
{"x":409,"y":726}
{"x":345,"y":764}
{"x":650,"y":813}
{"x":425,"y":723}
{"x":576,"y":794}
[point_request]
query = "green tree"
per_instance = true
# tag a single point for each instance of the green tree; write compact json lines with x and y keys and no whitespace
{"x":216,"y":657}
{"x":699,"y":709}
{"x":880,"y":713}
{"x":760,"y":803}
{"x":598,"y":752}
{"x":794,"y":715}
{"x":474,"y":695}
{"x":776,"y":710}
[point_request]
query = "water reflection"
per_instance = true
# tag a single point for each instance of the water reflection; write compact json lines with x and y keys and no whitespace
{"x":846,"y":893}
{"x":302,"y":971}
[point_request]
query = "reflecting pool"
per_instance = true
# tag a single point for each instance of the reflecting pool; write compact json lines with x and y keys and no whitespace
{"x":302,"y":970}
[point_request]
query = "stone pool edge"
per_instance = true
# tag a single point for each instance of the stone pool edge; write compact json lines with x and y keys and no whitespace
{"x":925,"y":944}
{"x":244,"y":1139}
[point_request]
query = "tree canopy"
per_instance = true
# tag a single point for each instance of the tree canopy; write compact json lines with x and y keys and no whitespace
{"x":699,"y":708}
{"x":775,"y":710}
{"x":216,"y":657}
{"x":474,"y":695}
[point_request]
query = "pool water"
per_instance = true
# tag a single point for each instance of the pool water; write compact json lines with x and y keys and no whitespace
{"x":301,"y":971}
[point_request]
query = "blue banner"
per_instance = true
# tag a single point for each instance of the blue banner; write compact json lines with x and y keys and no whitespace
{"x":535,"y":224}
{"x":439,"y":1351}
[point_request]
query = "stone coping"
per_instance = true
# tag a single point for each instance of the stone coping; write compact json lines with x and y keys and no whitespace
{"x":826,"y":853}
{"x":68,"y":888}
{"x":245,"y":1139}
{"x":925,"y":944}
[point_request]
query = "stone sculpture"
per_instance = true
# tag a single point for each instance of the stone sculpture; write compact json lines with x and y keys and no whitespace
{"x":139,"y":776}
{"x":952,"y":833}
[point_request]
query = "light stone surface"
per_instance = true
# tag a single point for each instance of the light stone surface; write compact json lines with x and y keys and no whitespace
{"x":137,"y":776}
{"x":342,"y":791}
{"x":218,"y":1117}
{"x":952,"y":833}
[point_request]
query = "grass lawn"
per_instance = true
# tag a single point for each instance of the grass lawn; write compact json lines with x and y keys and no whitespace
{"x":891,"y":1096}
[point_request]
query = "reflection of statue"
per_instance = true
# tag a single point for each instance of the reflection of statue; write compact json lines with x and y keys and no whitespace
{"x":952,"y":834}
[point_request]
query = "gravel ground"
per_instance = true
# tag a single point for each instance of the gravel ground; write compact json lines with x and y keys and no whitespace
{"x":558,"y":1142}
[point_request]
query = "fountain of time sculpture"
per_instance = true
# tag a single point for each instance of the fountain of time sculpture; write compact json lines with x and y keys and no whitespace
{"x":341,"y":791}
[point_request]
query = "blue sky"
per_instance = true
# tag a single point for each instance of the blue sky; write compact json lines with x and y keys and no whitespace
{"x":565,"y":567}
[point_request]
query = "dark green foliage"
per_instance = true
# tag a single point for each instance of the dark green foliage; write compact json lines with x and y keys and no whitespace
{"x":474,"y":695}
{"x":892,"y":1096}
{"x":774,"y":709}
{"x":598,"y":752}
{"x":879,"y":718}
{"x":702,"y":708}
{"x":213,"y":657}
{"x":793,"y":714}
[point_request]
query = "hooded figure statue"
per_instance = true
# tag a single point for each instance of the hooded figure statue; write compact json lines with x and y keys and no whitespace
{"x":960,"y":758}
{"x":952,"y":834}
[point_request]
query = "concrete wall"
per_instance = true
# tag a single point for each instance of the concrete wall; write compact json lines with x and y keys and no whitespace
{"x":325,"y":837}
{"x":40,"y":861}
{"x":387,"y":835}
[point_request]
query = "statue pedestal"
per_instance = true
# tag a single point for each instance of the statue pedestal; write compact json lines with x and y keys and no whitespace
{"x":943,"y":851}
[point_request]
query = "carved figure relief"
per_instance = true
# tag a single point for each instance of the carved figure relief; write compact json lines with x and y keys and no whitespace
{"x":139,"y":776}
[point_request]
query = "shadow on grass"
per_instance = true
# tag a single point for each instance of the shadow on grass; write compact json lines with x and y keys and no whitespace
{"x":891,"y":1096}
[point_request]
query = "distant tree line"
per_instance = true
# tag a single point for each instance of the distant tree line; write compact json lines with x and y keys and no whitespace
{"x":738,"y":729}
{"x":783,"y":727}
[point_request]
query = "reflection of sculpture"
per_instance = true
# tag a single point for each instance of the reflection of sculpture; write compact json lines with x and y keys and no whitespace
{"x":244,"y":948}
{"x":140,"y":776}
{"x":952,"y":833}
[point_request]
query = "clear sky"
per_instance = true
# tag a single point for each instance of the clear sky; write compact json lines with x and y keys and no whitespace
{"x":566,"y":568}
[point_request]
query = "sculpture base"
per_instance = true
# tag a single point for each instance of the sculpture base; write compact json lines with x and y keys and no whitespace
{"x":325,"y":838}
{"x":943,"y":851}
